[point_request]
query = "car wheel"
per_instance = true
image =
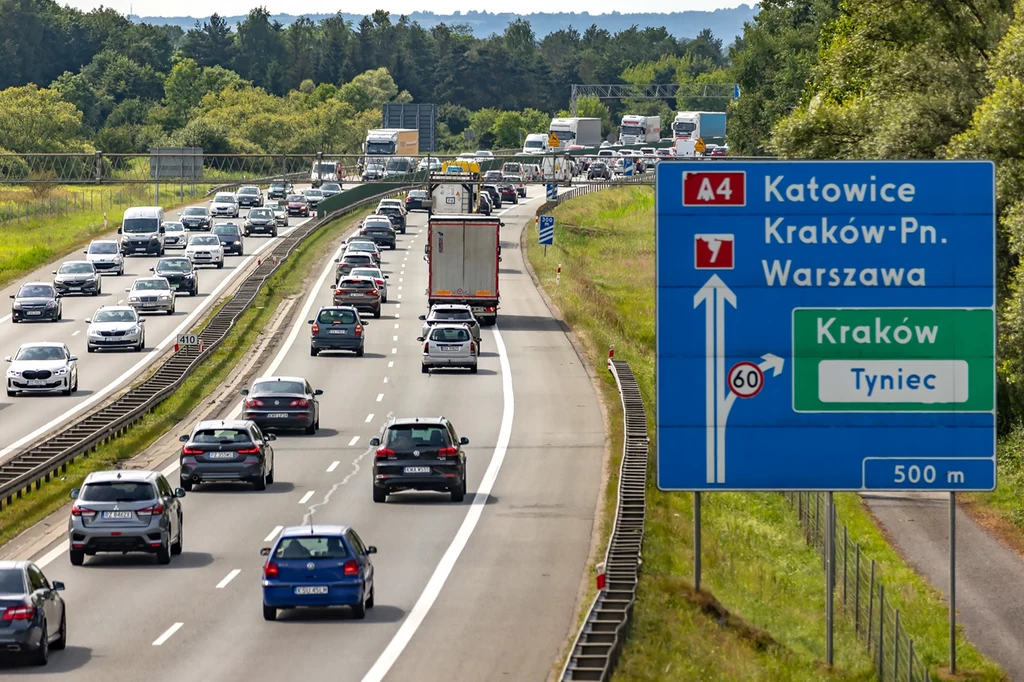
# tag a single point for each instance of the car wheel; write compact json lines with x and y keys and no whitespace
{"x":60,"y":315}
{"x":360,"y":351}
{"x":176,"y":547}
{"x":41,"y":656}
{"x":376,"y":314}
{"x":274,"y":233}
{"x":163,"y":554}
{"x":384,"y":299}
{"x":460,"y":494}
{"x":121,"y":271}
{"x":90,"y":349}
{"x":269,"y":612}
{"x":77,"y":557}
{"x":311,"y":429}
{"x":220,"y":264}
{"x":314,"y":351}
{"x":171,"y":311}
{"x":380,"y":494}
{"x":270,"y":477}
{"x":186,"y":484}
{"x":473,"y":369}
{"x":67,"y":391}
{"x":370,"y":600}
{"x":62,"y":640}
{"x":359,"y":610}
{"x":141,"y":346}
{"x":425,"y":369}
{"x":260,"y":483}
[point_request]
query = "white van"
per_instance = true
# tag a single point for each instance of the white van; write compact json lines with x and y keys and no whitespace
{"x":324,"y":171}
{"x":536,"y":143}
{"x":142,"y":231}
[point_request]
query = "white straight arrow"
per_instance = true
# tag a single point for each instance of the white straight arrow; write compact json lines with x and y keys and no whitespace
{"x":714,"y":295}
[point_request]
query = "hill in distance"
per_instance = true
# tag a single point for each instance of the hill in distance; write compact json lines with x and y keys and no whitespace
{"x":726,"y":24}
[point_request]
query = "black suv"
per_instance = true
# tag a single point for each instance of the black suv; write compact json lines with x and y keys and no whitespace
{"x":227,"y":450}
{"x":179,"y":272}
{"x":279,"y":190}
{"x":419,"y":453}
{"x":395,"y":215}
{"x":495,"y":194}
{"x":230,"y":238}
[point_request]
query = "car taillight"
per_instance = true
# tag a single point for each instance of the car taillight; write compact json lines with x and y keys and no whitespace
{"x":385,"y":452}
{"x":447,"y":452}
{"x":472,"y":348}
{"x":83,"y":511}
{"x":191,"y":451}
{"x":380,"y":282}
{"x":155,"y":509}
{"x":359,"y":330}
{"x":376,"y":292}
{"x":253,"y":402}
{"x":301,"y":402}
{"x":351,"y":567}
{"x":270,"y":570}
{"x":489,"y":309}
{"x":248,"y":451}
{"x":316,"y":329}
{"x":426,"y":347}
{"x":20,"y":613}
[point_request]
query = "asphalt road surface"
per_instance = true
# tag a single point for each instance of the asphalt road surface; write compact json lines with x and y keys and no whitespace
{"x":27,"y":417}
{"x":482,"y":590}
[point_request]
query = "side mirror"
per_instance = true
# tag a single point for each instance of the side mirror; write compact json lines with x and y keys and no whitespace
{"x":152,"y":269}
{"x":55,"y":272}
{"x":244,"y":391}
{"x":423,"y":317}
{"x":74,"y":493}
{"x":499,"y":259}
{"x":420,"y":339}
{"x":58,"y":586}
{"x":141,"y":320}
{"x":371,"y":550}
{"x":88,"y":320}
{"x":179,"y":492}
{"x":12,"y":296}
{"x":375,"y":442}
{"x":271,"y":436}
{"x":127,"y":289}
{"x":183,"y":439}
{"x":119,"y":230}
{"x":73,"y":358}
{"x":265,"y":551}
{"x":386,"y":277}
{"x":337,"y":260}
{"x":463,"y":441}
{"x":309,"y":322}
{"x":318,"y":391}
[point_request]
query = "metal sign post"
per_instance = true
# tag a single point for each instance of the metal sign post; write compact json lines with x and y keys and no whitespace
{"x":952,"y":583}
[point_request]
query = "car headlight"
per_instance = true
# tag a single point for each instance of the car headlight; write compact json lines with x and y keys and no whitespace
{"x":133,"y":298}
{"x":94,"y":333}
{"x":13,"y":373}
{"x":236,"y":242}
{"x":17,"y":306}
{"x":187,"y":276}
{"x":117,"y":258}
{"x":51,"y":304}
{"x":164,"y":297}
{"x":60,"y":371}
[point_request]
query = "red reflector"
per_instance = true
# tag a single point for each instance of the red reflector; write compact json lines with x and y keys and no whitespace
{"x":301,"y":402}
{"x":385,"y":452}
{"x":249,"y":451}
{"x":489,"y":309}
{"x":351,"y":567}
{"x":20,"y":613}
{"x":380,"y":281}
{"x":191,"y":451}
{"x":117,"y":534}
{"x":270,"y":570}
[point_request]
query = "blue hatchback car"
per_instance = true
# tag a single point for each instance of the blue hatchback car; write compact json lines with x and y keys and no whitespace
{"x":317,"y":566}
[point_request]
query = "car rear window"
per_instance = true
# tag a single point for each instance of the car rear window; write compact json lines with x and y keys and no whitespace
{"x":224,"y":436}
{"x":337,"y":317}
{"x":357,"y":284}
{"x":265,"y":387}
{"x":451,"y":315}
{"x":449,"y":334}
{"x":117,"y":491}
{"x":12,"y":581}
{"x":311,"y":547}
{"x":413,"y":435}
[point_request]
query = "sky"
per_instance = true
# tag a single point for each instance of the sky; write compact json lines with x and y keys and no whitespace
{"x":203,"y":8}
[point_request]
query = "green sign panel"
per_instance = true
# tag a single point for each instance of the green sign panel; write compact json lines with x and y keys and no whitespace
{"x":893,"y":360}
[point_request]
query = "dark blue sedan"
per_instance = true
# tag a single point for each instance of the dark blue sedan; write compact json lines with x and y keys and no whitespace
{"x":32,"y":614}
{"x":317,"y":566}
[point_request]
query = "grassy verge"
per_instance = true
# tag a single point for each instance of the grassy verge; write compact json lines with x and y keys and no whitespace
{"x":56,"y":221}
{"x":289,"y":280}
{"x":1002,"y":510}
{"x":769,"y":622}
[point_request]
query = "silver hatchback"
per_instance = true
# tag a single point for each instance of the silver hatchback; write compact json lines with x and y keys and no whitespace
{"x":449,"y":345}
{"x":125,"y":511}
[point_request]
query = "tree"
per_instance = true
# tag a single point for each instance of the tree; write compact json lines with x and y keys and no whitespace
{"x":210,"y":43}
{"x":508,"y":130}
{"x":38,"y":120}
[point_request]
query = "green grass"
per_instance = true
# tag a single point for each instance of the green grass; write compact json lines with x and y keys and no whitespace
{"x":288,"y":281}
{"x":755,"y":560}
{"x":64,"y":219}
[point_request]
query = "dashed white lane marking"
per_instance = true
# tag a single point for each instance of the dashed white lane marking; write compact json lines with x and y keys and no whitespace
{"x":394,"y":350}
{"x":355,"y":439}
{"x":396,"y":327}
{"x":121,"y":302}
{"x":399,"y":296}
{"x":76,"y":332}
{"x":228,"y":578}
{"x":385,"y":380}
{"x":334,"y":465}
{"x":273,"y":534}
{"x":394,"y":338}
{"x":390,"y":364}
{"x":380,"y":397}
{"x":305,"y":498}
{"x":167,"y":634}
{"x":369,"y":418}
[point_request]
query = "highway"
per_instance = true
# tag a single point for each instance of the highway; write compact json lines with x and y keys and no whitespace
{"x":481,"y":590}
{"x":26,"y":418}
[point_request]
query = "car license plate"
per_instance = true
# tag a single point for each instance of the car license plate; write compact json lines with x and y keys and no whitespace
{"x":277,"y":415}
{"x":450,"y":347}
{"x":33,"y":312}
{"x":74,"y":287}
{"x":221,"y":455}
{"x":417,"y":470}
{"x":336,"y":331}
{"x":149,"y":305}
{"x":140,"y":248}
{"x":355,"y":295}
{"x":37,"y":382}
{"x":311,"y":589}
{"x":118,"y":515}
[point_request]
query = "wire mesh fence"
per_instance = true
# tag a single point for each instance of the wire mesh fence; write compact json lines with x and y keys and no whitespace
{"x":860,"y":593}
{"x":52,"y":201}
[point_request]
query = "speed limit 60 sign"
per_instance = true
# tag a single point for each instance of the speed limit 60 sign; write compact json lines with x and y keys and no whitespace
{"x":746,"y":379}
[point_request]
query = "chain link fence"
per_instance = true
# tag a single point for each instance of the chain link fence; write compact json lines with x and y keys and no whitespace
{"x":60,"y":201}
{"x":861,"y":594}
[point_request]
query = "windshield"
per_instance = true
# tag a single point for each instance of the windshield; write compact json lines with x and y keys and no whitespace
{"x":564,"y":135}
{"x":311,"y":547}
{"x":226,"y":229}
{"x":449,"y":334}
{"x":76,"y":268}
{"x":195,"y":210}
{"x":36,"y":291}
{"x":296,"y":197}
{"x":385,"y":147}
{"x":684,"y":127}
{"x":140,"y":225}
{"x":534,"y":144}
{"x":631,"y":130}
{"x":418,"y":193}
{"x":204,"y":241}
{"x":176,"y":265}
{"x":41,"y":353}
{"x":511,"y":168}
{"x":117,"y":491}
{"x":337,"y":317}
{"x":114,"y":316}
{"x":277,"y":185}
{"x":401,"y":165}
{"x":11,"y":581}
{"x":332,"y":186}
{"x":375,"y":166}
{"x":264,"y":387}
{"x":224,"y":198}
{"x":367,"y":272}
{"x":174,"y":227}
{"x":151,"y":284}
{"x":418,"y":435}
{"x":260,"y":213}
{"x":358,"y":259}
{"x":325,"y":168}
{"x":313,"y":193}
{"x":103,"y":247}
{"x":249,"y":190}
{"x":378,"y":227}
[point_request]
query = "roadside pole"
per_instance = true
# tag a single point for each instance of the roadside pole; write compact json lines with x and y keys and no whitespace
{"x":696,"y":541}
{"x":952,"y":583}
{"x":830,"y":576}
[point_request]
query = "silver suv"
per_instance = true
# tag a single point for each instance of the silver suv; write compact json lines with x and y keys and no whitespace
{"x":449,"y":345}
{"x":452,"y":313}
{"x":125,"y":511}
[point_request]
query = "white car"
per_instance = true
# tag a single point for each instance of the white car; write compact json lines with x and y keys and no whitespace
{"x":151,"y":294}
{"x":484,"y":154}
{"x":42,"y":367}
{"x":115,"y":327}
{"x":205,"y":249}
{"x":105,"y":256}
{"x":174,"y":235}
{"x":430,"y":163}
{"x":379,"y":277}
{"x":224,"y":204}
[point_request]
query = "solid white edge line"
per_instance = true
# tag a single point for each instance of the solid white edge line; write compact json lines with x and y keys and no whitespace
{"x":53,"y":554}
{"x":146,"y":360}
{"x":273,"y":534}
{"x":355,"y":439}
{"x":334,"y":465}
{"x":426,"y":600}
{"x":305,"y":498}
{"x":167,"y":634}
{"x":228,"y":578}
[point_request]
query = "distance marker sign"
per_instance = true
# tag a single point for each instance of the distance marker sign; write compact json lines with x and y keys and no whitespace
{"x":825,"y":325}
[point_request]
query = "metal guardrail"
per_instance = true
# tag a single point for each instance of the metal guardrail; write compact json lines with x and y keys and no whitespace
{"x":50,"y":457}
{"x":598,"y":644}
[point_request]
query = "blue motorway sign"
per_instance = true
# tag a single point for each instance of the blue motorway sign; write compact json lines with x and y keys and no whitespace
{"x":825,"y":325}
{"x":546,"y":230}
